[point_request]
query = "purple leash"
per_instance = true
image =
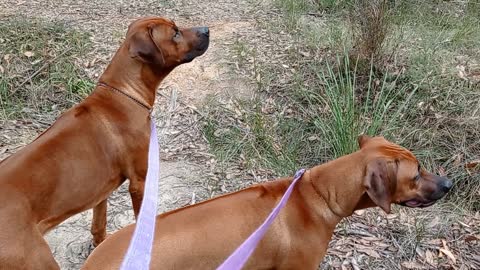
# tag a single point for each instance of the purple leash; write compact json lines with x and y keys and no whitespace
{"x":139,"y":251}
{"x":240,"y":256}
{"x":140,"y":248}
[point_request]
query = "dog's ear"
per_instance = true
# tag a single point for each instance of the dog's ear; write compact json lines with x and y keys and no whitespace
{"x":363,"y":139}
{"x":143,"y":47}
{"x":380,"y":182}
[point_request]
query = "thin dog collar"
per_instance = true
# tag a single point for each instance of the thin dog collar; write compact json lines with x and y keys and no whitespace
{"x":149,"y":109}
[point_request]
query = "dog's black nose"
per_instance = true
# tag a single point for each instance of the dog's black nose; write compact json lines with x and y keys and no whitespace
{"x":446,"y":185}
{"x":203,"y":31}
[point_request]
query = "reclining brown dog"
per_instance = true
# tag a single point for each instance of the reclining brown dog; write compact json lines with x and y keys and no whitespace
{"x":92,"y":148}
{"x":202,"y":236}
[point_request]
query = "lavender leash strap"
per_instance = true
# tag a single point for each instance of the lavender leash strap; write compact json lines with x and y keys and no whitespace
{"x":140,"y":248}
{"x":240,"y":256}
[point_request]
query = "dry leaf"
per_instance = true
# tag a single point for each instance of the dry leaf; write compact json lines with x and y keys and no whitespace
{"x":2,"y":69}
{"x":383,"y":245}
{"x":461,"y":72}
{"x":475,"y":76}
{"x":470,"y":238}
{"x":435,"y":221}
{"x":463,"y":224}
{"x":392,"y":216}
{"x":92,"y":63}
{"x":458,"y":160}
{"x":412,"y":265}
{"x":372,"y":238}
{"x":305,"y":54}
{"x":449,"y":254}
{"x":360,"y":212}
{"x":473,"y":166}
{"x":441,"y":171}
{"x":420,"y":252}
{"x":434,"y":242}
{"x":29,"y":53}
{"x":444,"y":243}
{"x":429,"y":257}
{"x":371,"y":253}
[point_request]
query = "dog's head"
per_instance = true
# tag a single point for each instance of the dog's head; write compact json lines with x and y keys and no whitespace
{"x":159,"y":43}
{"x":394,"y":175}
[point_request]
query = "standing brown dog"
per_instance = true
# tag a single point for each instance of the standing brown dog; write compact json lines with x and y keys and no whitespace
{"x":203,"y":235}
{"x":92,"y":148}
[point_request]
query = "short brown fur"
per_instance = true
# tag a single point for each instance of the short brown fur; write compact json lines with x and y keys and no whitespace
{"x":203,"y":235}
{"x":92,"y":148}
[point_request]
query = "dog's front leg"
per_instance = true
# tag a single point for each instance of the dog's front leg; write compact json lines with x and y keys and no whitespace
{"x":136,"y":189}
{"x":99,"y":223}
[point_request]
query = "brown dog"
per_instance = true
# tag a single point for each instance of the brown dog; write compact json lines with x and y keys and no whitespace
{"x":92,"y":148}
{"x":203,"y":235}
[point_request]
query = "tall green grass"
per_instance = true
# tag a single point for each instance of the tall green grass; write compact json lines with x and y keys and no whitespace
{"x":373,"y":108}
{"x":312,"y":124}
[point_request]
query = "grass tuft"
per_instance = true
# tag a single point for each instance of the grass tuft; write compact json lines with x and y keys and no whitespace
{"x":312,"y":124}
{"x":40,"y":69}
{"x":353,"y":109}
{"x":370,"y":26}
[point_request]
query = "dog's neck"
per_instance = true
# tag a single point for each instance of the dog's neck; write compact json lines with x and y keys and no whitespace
{"x":133,"y":77}
{"x":340,"y":183}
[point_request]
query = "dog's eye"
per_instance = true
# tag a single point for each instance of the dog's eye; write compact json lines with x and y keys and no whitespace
{"x":417,"y":177}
